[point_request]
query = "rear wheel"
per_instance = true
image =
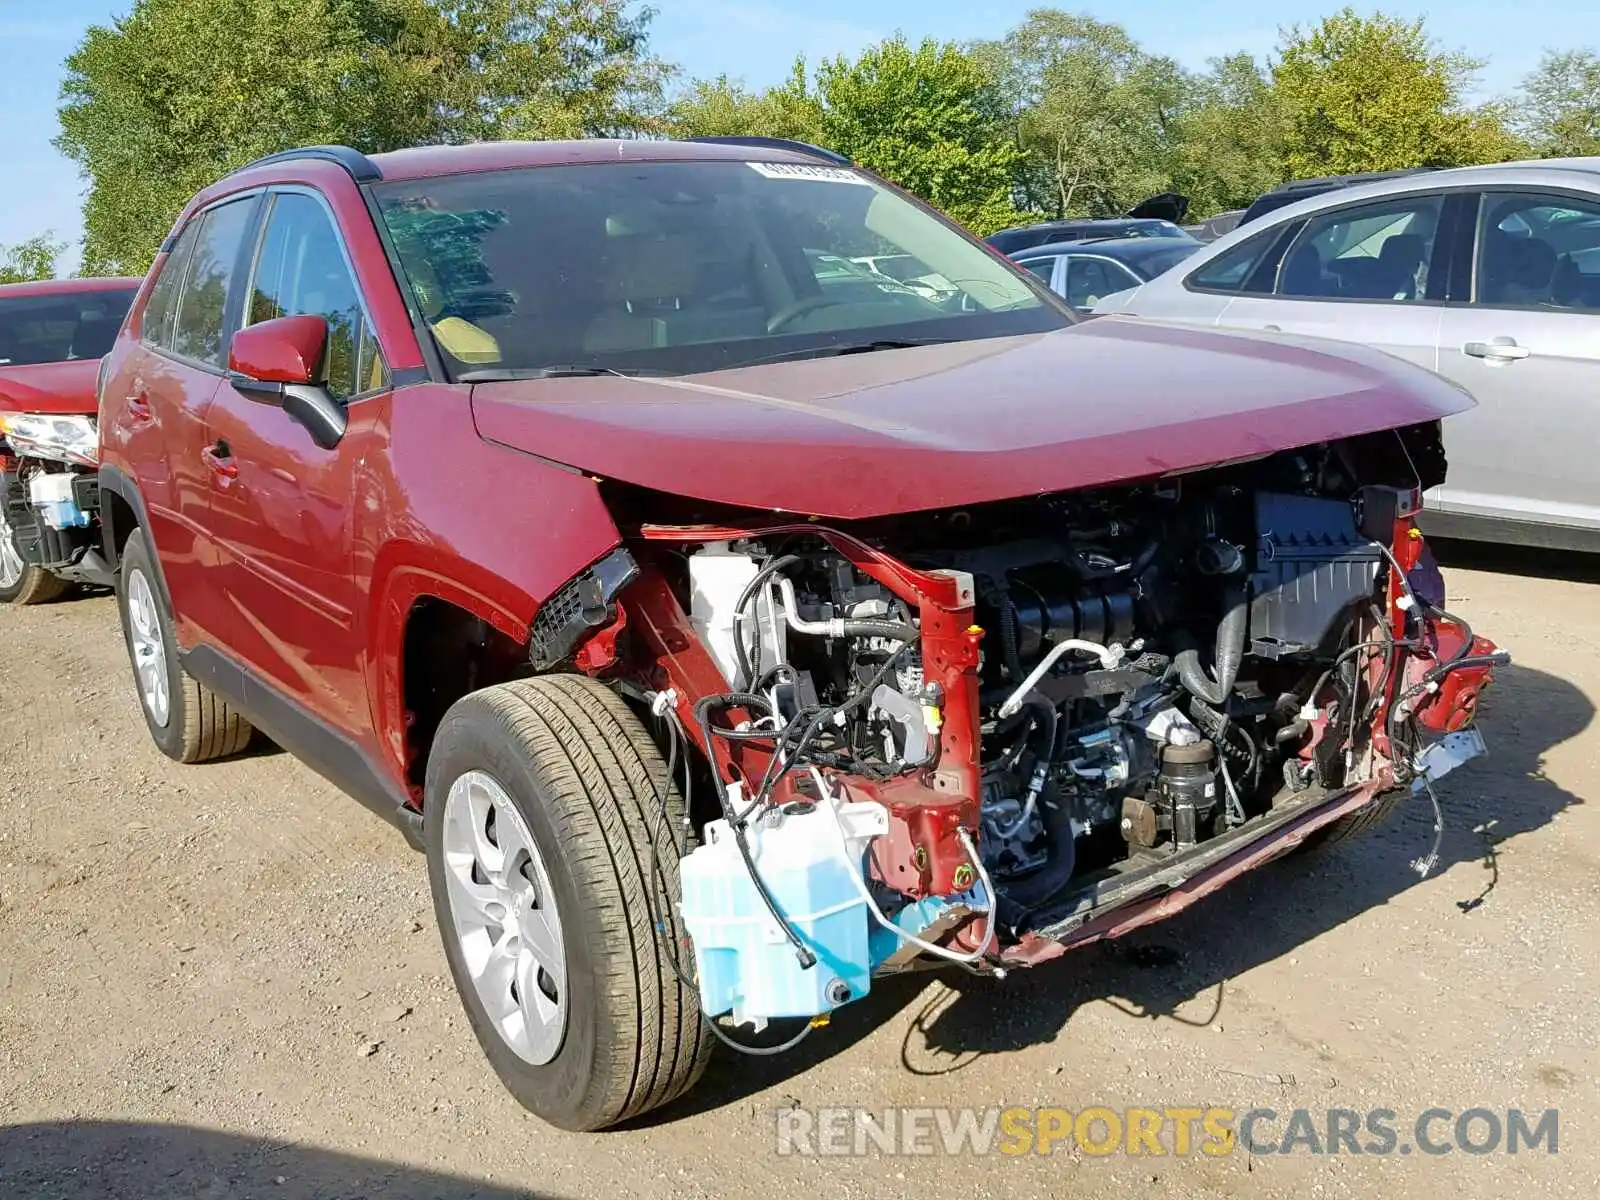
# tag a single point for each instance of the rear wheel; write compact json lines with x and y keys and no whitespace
{"x":187,"y":721}
{"x":22,"y":582}
{"x":549,"y":824}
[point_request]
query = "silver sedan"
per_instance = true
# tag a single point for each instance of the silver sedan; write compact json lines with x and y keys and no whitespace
{"x":1488,"y":275}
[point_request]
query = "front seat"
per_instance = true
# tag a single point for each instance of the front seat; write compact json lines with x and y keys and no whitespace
{"x":1400,"y":264}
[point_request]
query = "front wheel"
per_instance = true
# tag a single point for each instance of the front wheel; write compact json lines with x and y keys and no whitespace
{"x":22,"y":582}
{"x":549,"y":822}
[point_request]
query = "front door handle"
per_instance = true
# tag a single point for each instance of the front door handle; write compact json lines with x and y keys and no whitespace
{"x":220,"y":459}
{"x":139,"y":409}
{"x":1500,"y":349}
{"x":1272,"y":328}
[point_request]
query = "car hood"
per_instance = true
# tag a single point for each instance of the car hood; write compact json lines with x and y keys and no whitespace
{"x":867,"y":435}
{"x":59,"y":388}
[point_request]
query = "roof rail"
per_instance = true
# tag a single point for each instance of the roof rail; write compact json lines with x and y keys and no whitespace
{"x":361,"y":168}
{"x":772,"y":143}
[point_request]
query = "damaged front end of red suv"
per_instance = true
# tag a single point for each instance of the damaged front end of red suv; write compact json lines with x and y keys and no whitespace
{"x":990,"y":732}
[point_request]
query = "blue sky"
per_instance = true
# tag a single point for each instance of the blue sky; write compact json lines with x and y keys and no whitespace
{"x":758,"y":39}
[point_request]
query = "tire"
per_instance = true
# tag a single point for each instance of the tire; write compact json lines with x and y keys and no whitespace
{"x":196,"y":725}
{"x":1355,"y":824}
{"x":593,"y":795}
{"x":20,"y":582}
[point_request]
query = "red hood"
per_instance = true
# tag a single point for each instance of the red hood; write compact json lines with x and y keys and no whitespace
{"x":62,"y":388}
{"x":897,"y":431}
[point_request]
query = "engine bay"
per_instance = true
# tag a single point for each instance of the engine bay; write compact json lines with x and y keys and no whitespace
{"x":996,"y":710}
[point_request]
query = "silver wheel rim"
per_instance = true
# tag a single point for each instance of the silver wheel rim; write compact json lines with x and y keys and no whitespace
{"x":149,"y":650}
{"x":503,"y":917}
{"x":10,"y":560}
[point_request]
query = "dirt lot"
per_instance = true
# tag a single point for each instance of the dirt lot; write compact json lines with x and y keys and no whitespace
{"x":224,"y":981}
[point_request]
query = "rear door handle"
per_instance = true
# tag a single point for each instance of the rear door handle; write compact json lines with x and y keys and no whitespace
{"x":1500,"y":349}
{"x":220,"y":460}
{"x":139,"y":407}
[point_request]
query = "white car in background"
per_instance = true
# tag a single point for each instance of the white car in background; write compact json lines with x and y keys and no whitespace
{"x":1488,"y":275}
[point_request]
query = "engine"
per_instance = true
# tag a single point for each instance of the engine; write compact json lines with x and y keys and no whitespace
{"x":1145,"y":659}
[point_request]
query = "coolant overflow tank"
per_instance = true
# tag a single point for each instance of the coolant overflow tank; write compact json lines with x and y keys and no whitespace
{"x":745,"y":963}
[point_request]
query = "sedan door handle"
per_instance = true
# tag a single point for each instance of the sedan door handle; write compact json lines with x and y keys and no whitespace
{"x":220,"y":460}
{"x":1500,"y":349}
{"x":139,"y":408}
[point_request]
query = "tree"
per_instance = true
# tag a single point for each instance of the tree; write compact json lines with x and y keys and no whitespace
{"x":1094,"y":114}
{"x":36,"y":258}
{"x":1229,"y":144}
{"x":1560,"y":111}
{"x":179,"y":92}
{"x":724,"y":107}
{"x":1374,"y":94}
{"x":928,"y":118}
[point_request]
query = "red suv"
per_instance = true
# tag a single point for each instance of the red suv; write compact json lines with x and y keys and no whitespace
{"x":732,"y":629}
{"x":52,"y":337}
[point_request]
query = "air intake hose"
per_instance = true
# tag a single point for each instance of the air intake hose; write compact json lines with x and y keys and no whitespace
{"x":1215,"y":688}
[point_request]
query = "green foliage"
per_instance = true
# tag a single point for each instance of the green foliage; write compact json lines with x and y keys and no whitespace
{"x":1375,"y":94}
{"x":34,"y":259}
{"x":928,"y":118}
{"x":724,"y":107}
{"x":1094,"y":114}
{"x":1230,"y":137}
{"x":178,"y":92}
{"x":1065,"y":115}
{"x":1560,"y":112}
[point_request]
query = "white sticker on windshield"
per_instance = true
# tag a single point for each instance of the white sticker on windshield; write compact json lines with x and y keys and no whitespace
{"x":807,"y":171}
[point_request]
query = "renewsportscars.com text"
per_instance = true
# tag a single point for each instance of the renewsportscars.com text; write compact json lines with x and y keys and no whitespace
{"x":1158,"y":1132}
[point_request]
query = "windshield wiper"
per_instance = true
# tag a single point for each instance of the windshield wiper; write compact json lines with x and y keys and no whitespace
{"x":554,"y":371}
{"x":836,"y":351}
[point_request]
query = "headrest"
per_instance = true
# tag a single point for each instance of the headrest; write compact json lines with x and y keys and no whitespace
{"x":648,"y":267}
{"x":1404,"y":249}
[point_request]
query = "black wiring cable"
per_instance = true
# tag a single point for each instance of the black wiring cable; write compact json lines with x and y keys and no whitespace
{"x":771,"y":567}
{"x":806,"y":956}
{"x":760,"y":1051}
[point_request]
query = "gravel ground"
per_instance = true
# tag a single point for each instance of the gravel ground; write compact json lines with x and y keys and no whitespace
{"x":224,"y":981}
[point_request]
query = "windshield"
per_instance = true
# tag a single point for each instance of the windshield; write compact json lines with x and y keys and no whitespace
{"x":681,"y":267}
{"x":60,"y":327}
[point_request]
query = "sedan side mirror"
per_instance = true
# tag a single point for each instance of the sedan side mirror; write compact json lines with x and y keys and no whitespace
{"x":275,"y":362}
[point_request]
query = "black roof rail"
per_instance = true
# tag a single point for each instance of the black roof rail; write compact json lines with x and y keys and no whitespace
{"x":361,"y":168}
{"x":772,"y":143}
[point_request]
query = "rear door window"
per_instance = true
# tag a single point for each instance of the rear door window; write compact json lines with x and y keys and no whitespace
{"x":200,"y":329}
{"x":1538,"y":250}
{"x":156,"y":326}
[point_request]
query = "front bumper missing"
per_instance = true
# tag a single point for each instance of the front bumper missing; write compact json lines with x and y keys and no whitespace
{"x":1143,"y":895}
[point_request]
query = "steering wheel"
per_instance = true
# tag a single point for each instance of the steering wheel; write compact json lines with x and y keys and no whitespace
{"x":797,"y":309}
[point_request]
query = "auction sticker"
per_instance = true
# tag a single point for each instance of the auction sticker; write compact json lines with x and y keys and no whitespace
{"x":807,"y":171}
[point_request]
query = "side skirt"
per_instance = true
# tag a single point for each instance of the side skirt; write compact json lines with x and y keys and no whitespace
{"x":325,"y":750}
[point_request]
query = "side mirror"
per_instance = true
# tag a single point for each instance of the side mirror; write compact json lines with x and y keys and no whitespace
{"x":275,"y":362}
